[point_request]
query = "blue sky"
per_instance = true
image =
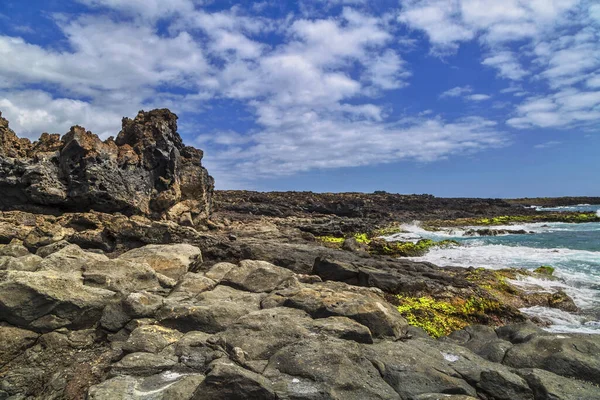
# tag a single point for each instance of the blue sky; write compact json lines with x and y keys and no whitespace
{"x":449,"y":97}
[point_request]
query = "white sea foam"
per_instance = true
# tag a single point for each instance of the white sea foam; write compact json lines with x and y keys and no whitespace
{"x":562,"y":321}
{"x":414,"y":231}
{"x":577,"y":270}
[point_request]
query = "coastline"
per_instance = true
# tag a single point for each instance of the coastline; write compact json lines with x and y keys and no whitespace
{"x":180,"y":291}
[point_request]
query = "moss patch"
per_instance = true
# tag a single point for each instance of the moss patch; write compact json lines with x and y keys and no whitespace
{"x":407,"y":249}
{"x":440,"y":318}
{"x":545,"y":270}
{"x":572,"y":217}
{"x":332,"y":241}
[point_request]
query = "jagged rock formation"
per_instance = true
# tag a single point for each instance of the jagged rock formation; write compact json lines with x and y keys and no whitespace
{"x":146,"y":170}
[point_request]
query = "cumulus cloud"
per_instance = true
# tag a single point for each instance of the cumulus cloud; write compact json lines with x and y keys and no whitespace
{"x":311,"y":83}
{"x":457,"y":91}
{"x":464,"y":92}
{"x":569,"y":107}
{"x":329,"y":141}
{"x":33,"y":112}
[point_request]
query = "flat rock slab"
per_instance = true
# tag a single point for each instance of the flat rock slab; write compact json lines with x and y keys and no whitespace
{"x":172,"y":260}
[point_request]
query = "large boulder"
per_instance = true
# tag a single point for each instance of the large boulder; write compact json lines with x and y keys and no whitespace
{"x":171,"y":260}
{"x":45,"y":301}
{"x":363,"y":305}
{"x":146,"y":170}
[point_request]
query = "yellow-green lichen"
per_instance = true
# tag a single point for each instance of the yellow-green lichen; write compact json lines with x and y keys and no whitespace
{"x":362,"y":238}
{"x":544,"y":270}
{"x":440,"y":318}
{"x":571,"y":217}
{"x":407,"y":249}
{"x":331,"y":239}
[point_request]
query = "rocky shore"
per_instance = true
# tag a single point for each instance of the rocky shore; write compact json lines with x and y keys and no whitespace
{"x":179,"y":292}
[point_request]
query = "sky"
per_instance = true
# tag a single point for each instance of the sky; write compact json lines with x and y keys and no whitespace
{"x":454,"y":98}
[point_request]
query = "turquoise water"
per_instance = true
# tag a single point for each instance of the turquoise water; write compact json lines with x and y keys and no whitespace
{"x":573,"y":249}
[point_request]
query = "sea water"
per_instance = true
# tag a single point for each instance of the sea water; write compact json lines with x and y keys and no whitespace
{"x":572,"y":249}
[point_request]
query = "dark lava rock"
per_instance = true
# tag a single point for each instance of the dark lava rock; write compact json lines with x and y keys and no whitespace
{"x":147,"y":170}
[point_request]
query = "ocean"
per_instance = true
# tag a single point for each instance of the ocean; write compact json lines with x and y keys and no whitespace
{"x":573,"y":249}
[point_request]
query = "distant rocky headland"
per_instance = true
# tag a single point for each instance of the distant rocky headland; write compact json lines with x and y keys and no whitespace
{"x":124,"y":275}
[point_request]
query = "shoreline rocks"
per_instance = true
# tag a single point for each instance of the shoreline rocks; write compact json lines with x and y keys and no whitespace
{"x":240,"y":336}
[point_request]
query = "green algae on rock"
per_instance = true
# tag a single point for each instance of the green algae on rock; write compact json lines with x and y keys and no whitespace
{"x":570,"y":217}
{"x":407,"y":249}
{"x":545,"y":270}
{"x":439,"y":318}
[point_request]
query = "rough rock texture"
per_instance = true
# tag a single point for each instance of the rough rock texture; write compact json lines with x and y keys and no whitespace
{"x":253,"y":330}
{"x":146,"y":170}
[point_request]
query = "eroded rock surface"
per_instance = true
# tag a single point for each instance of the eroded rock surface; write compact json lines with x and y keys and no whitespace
{"x":146,"y":170}
{"x":253,"y":330}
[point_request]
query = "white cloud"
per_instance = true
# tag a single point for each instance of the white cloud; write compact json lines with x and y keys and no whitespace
{"x":594,"y":81}
{"x":457,"y":91}
{"x":148,"y":9}
{"x":507,"y":65}
{"x":329,"y":141}
{"x":479,"y":97}
{"x":106,"y":56}
{"x":465,"y":93}
{"x":440,"y":19}
{"x":546,"y":145}
{"x":449,"y":22}
{"x":313,"y":86}
{"x":563,"y":109}
{"x":33,"y":112}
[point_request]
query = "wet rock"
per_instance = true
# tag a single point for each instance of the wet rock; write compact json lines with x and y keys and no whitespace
{"x":518,"y":333}
{"x":562,"y":301}
{"x":170,"y":260}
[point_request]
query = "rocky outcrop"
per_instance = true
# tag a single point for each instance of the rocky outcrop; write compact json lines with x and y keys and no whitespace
{"x":146,"y":170}
{"x":252,"y":330}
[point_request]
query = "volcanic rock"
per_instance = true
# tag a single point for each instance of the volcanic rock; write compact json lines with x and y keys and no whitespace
{"x":146,"y":170}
